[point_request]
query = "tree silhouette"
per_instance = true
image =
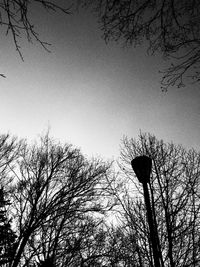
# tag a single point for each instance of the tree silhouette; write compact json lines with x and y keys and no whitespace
{"x":16,"y":19}
{"x":59,"y":199}
{"x":7,"y":236}
{"x":55,"y":188}
{"x":15,"y":16}
{"x":174,"y":192}
{"x":170,"y":27}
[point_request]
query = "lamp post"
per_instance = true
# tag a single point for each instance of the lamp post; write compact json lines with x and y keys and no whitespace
{"x":142,"y":167}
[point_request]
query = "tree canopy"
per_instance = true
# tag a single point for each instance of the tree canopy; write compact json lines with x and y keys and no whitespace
{"x":170,"y":27}
{"x":60,"y":202}
{"x":7,"y":240}
{"x":175,"y":201}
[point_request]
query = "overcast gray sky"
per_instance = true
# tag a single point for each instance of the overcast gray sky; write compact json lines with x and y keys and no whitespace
{"x":90,"y":93}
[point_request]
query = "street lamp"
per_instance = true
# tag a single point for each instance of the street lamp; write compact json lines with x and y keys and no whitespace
{"x":142,"y":167}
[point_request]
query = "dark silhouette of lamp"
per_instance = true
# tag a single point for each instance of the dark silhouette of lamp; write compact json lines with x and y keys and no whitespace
{"x":142,"y":167}
{"x":47,"y":263}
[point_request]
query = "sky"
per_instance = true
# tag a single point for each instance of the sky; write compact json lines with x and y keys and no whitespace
{"x":89,"y":93}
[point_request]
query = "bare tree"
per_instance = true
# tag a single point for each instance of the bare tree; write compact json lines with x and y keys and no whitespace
{"x":170,"y":27}
{"x":15,"y":16}
{"x":174,"y":188}
{"x":9,"y":152}
{"x":16,"y":19}
{"x":54,"y":188}
{"x":7,"y":240}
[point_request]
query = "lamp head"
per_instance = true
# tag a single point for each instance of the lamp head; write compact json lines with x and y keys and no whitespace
{"x":142,"y":168}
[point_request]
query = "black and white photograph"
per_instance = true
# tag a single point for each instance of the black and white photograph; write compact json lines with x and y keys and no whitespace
{"x":100,"y":133}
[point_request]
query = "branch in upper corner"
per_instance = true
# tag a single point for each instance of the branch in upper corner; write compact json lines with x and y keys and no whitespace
{"x":15,"y":16}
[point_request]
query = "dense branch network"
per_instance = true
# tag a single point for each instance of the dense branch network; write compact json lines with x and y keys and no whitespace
{"x":61,"y":205}
{"x":169,"y":26}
